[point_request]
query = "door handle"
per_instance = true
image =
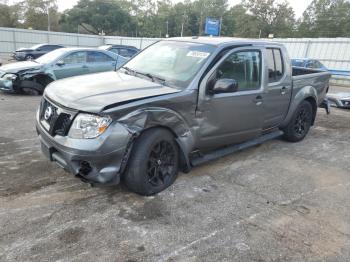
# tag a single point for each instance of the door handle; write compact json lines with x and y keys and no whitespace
{"x":258,"y":100}
{"x":283,"y":90}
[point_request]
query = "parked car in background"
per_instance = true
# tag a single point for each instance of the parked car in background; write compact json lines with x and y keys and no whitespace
{"x":123,"y":50}
{"x":33,"y":76}
{"x":308,"y":63}
{"x":177,"y":104}
{"x":341,"y":100}
{"x":34,"y":51}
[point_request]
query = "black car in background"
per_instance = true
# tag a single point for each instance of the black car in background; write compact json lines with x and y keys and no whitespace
{"x":126,"y":51}
{"x":34,"y":52}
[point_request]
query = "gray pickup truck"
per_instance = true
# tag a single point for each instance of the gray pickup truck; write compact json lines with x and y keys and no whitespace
{"x":178,"y":103}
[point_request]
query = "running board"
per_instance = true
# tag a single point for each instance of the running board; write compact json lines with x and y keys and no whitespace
{"x":234,"y":148}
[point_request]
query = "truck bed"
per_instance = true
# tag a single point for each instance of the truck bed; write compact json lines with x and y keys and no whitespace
{"x":304,"y":77}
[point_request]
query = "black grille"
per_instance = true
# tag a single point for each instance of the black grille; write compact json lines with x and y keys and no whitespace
{"x":58,"y":122}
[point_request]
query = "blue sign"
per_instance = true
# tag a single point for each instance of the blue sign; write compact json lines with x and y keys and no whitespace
{"x":212,"y":26}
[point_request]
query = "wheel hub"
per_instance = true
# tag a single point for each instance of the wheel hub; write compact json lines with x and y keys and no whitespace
{"x":161,"y":163}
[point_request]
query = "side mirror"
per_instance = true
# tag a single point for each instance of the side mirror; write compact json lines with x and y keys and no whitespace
{"x":60,"y":63}
{"x":224,"y":85}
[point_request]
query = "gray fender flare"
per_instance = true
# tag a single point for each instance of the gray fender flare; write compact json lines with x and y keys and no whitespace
{"x":138,"y":121}
{"x":306,"y":93}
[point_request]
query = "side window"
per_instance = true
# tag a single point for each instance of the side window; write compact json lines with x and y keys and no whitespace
{"x":275,"y":64}
{"x":75,"y":58}
{"x":45,"y":48}
{"x":114,"y":50}
{"x":244,"y":67}
{"x":124,"y":52}
{"x":132,"y":52}
{"x":98,"y":57}
{"x":271,"y":65}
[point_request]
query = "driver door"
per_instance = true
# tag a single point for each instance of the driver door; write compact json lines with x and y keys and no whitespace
{"x":232,"y":116}
{"x":73,"y":64}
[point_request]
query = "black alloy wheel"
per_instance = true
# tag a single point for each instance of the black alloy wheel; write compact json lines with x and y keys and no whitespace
{"x":302,"y":122}
{"x":161,"y":163}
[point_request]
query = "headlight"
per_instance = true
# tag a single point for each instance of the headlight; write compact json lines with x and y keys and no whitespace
{"x":88,"y":126}
{"x":10,"y":77}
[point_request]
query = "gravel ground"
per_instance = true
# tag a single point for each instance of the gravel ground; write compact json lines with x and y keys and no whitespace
{"x":276,"y":202}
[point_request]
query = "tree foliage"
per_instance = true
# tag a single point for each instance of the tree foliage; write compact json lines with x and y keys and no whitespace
{"x":156,"y":18}
{"x":326,"y":18}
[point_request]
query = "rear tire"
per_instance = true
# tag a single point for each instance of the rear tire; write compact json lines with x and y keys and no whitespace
{"x":153,"y":163}
{"x":300,"y":123}
{"x":29,"y":57}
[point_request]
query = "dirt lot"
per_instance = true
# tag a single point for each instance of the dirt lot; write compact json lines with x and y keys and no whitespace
{"x":275,"y":202}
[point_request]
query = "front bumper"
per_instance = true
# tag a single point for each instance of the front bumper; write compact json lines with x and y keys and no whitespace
{"x":18,"y":57}
{"x":6,"y":85}
{"x":96,"y":161}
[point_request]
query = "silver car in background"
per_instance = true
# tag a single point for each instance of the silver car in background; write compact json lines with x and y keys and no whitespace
{"x":341,"y":99}
{"x":33,"y":76}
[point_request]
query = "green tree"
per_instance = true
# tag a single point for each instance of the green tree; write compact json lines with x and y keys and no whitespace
{"x":97,"y":16}
{"x":326,"y":18}
{"x":237,"y":22}
{"x":272,"y":17}
{"x":35,"y":14}
{"x":10,"y":15}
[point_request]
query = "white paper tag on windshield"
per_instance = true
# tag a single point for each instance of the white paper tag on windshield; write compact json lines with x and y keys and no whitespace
{"x":198,"y":54}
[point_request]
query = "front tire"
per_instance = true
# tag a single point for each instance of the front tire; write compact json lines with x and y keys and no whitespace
{"x":300,"y":123}
{"x":153,"y":163}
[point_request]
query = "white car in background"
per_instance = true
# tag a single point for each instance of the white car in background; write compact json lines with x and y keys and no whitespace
{"x":341,"y":99}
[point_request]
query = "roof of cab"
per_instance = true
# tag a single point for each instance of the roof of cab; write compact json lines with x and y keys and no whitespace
{"x":218,"y":41}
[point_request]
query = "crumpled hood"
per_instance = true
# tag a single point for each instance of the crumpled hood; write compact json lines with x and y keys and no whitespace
{"x":92,"y":93}
{"x":20,"y":66}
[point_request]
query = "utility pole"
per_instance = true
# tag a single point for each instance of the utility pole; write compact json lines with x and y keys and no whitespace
{"x":182,"y":25}
{"x":167,"y":28}
{"x":201,"y":22}
{"x":48,"y":19}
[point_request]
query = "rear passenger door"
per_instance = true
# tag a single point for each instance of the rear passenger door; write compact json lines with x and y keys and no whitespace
{"x":100,"y":62}
{"x":279,"y":88}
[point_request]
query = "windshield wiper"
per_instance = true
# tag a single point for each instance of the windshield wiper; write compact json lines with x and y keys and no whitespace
{"x":153,"y":77}
{"x":129,"y":70}
{"x":150,"y":76}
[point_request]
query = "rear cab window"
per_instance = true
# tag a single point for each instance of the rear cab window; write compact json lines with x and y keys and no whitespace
{"x":275,"y":64}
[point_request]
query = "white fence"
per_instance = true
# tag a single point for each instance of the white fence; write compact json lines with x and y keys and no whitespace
{"x":334,"y":53}
{"x":12,"y":39}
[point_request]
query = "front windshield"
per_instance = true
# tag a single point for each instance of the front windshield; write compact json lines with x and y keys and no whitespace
{"x":175,"y":62}
{"x":51,"y":56}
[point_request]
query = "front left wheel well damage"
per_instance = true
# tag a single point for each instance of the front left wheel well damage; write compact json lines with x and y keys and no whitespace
{"x":141,"y":120}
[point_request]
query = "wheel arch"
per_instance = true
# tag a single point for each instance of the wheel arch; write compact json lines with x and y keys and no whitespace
{"x":307,"y":93}
{"x":149,"y":118}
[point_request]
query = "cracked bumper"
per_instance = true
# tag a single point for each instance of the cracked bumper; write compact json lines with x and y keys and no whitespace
{"x":96,"y":161}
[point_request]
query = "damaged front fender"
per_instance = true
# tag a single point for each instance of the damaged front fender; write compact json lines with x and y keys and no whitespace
{"x":142,"y":119}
